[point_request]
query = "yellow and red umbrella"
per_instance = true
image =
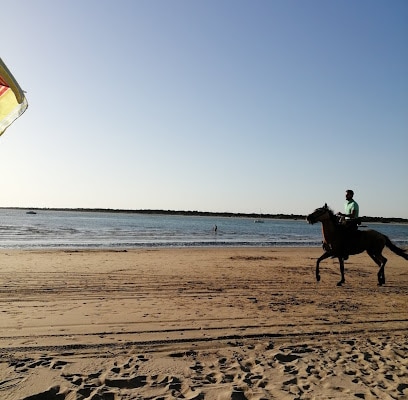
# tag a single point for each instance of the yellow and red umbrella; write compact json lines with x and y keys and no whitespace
{"x":12,"y":100}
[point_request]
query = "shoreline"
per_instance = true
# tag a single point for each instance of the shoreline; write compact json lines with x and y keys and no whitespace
{"x":200,"y":323}
{"x":225,"y":214}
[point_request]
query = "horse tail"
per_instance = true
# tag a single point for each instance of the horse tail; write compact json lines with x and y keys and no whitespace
{"x":395,"y":249}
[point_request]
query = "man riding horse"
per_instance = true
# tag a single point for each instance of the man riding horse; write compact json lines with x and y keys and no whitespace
{"x":335,"y":235}
{"x":348,"y":221}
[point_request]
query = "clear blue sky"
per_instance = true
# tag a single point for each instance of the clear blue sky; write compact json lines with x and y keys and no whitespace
{"x":216,"y":105}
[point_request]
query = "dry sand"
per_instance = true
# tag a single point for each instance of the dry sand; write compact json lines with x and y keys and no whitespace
{"x":200,"y":324}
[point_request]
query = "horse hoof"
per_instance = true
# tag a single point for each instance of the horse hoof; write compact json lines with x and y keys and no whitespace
{"x":318,"y":278}
{"x":340,"y":283}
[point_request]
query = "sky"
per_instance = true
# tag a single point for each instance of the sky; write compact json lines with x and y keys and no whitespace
{"x":269,"y":106}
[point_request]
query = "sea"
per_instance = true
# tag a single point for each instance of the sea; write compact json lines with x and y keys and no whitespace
{"x":49,"y":229}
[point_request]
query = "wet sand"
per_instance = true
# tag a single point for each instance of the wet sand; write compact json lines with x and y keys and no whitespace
{"x":226,"y":323}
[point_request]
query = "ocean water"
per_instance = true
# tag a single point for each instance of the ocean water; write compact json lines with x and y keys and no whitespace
{"x":78,"y":229}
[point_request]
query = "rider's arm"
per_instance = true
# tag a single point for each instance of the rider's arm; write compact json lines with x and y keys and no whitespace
{"x":351,"y":215}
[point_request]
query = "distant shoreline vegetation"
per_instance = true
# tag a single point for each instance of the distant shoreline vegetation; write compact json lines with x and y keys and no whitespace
{"x":202,"y":213}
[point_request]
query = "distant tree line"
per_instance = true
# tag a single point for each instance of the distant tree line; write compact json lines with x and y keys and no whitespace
{"x":207,"y":214}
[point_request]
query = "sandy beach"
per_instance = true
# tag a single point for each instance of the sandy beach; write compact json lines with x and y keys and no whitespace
{"x":230,"y":323}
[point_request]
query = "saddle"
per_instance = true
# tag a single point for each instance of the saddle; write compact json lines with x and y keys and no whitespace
{"x":348,"y":224}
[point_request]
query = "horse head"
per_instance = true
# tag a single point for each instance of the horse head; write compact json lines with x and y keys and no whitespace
{"x":319,"y":214}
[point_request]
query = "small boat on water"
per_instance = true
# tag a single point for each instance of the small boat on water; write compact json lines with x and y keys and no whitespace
{"x":31,"y":212}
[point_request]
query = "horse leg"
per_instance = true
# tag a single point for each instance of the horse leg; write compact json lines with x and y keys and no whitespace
{"x":381,"y":271}
{"x":343,"y":280}
{"x":321,"y":258}
{"x":380,"y":260}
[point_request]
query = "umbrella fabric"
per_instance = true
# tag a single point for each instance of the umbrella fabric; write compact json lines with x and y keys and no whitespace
{"x":12,"y":100}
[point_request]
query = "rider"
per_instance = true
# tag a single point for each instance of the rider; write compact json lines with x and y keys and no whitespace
{"x":349,"y":220}
{"x":350,"y":207}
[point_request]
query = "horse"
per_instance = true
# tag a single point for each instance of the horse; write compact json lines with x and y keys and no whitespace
{"x":335,"y":235}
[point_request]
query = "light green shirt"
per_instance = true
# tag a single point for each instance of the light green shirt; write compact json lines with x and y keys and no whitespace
{"x":351,"y":206}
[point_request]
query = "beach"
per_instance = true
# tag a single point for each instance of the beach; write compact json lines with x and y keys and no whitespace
{"x":200,"y":323}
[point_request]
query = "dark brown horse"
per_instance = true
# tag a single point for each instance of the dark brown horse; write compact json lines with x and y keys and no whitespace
{"x":335,"y":236}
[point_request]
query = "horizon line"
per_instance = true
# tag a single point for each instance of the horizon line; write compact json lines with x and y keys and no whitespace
{"x":196,"y":212}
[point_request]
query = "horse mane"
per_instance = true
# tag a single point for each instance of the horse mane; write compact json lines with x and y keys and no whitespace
{"x":333,"y":216}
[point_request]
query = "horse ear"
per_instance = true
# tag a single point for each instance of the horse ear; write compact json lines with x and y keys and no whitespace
{"x":325,"y":205}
